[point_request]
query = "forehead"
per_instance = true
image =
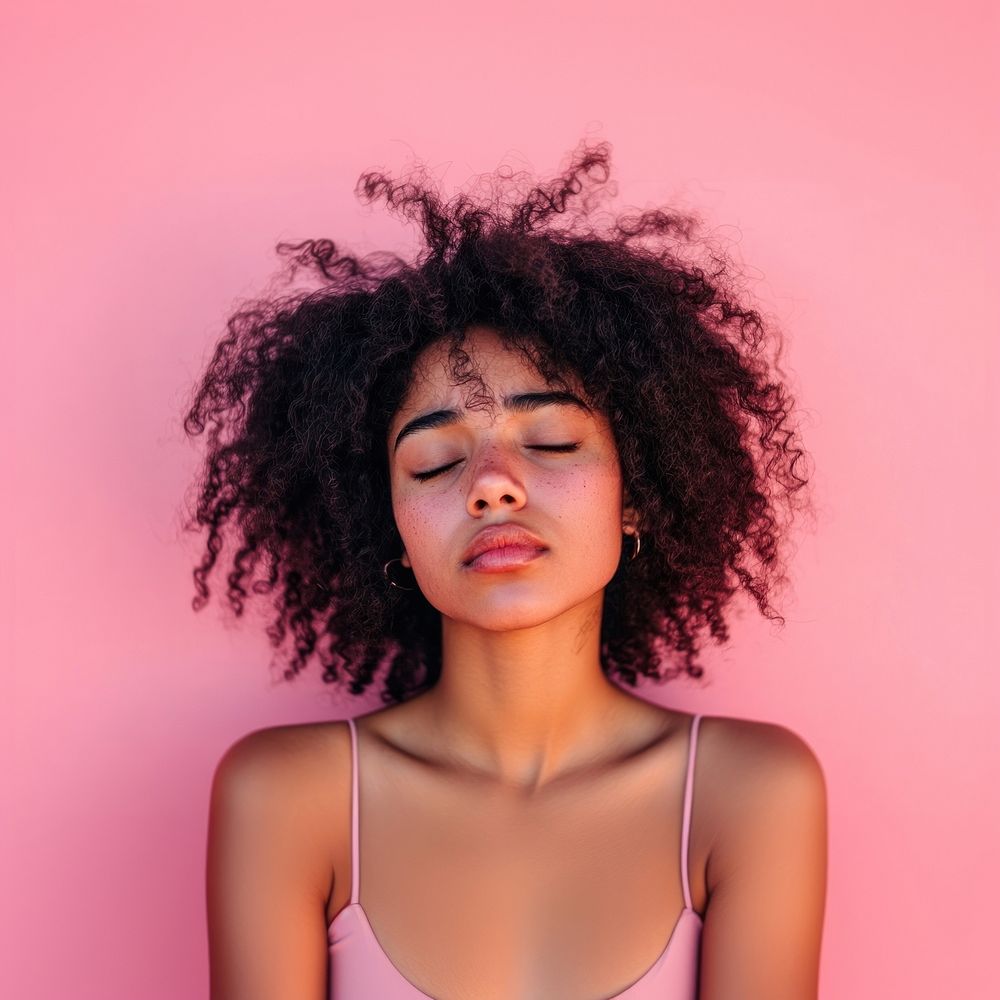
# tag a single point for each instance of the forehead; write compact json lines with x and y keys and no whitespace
{"x":484,"y":369}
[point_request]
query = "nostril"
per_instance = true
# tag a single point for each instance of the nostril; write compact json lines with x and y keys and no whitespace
{"x":481,"y":502}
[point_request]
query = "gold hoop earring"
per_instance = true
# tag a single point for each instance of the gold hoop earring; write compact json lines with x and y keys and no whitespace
{"x":635,"y":535}
{"x":385,"y":573}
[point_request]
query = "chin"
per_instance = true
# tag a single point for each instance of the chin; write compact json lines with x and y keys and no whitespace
{"x":510,"y":621}
{"x":505,"y":613}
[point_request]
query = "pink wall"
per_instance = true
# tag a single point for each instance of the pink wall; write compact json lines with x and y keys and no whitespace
{"x":154,"y":155}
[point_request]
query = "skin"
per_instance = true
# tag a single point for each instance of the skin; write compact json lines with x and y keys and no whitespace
{"x":529,"y":701}
{"x":521,"y":820}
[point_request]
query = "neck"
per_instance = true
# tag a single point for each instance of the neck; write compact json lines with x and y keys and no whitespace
{"x":525,"y":706}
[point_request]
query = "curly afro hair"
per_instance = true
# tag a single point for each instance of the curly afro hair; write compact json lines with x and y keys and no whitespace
{"x":300,"y":392}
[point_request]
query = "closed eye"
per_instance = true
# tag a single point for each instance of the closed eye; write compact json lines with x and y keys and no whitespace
{"x":423,"y":476}
{"x":434,"y":472}
{"x":555,"y":447}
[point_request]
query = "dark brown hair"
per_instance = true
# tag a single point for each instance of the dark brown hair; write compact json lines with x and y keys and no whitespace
{"x":298,"y":397}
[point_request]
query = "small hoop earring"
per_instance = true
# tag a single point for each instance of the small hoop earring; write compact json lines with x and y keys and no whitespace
{"x":635,"y":535}
{"x":385,"y":573}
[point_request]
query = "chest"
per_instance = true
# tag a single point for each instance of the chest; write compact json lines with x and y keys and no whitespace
{"x":471,"y":893}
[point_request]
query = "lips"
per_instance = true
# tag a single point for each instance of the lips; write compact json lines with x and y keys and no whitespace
{"x":498,"y":536}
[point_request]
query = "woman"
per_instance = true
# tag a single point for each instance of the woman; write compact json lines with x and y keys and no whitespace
{"x":532,"y":462}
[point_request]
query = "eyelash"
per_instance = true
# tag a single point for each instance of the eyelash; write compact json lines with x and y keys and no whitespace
{"x":423,"y":476}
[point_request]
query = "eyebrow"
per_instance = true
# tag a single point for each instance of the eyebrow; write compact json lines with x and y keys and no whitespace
{"x":522,"y":402}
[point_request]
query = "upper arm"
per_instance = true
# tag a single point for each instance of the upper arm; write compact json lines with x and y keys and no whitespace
{"x":764,"y":919}
{"x":264,"y":876}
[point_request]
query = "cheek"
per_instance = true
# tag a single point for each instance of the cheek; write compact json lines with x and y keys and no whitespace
{"x":419,"y":523}
{"x":588,"y":509}
{"x":594,"y":496}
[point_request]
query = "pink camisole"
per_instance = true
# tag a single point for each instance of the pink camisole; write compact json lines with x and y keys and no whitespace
{"x":361,"y":970}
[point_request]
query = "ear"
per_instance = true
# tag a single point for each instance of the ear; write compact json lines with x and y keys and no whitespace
{"x":630,"y":517}
{"x":405,"y":560}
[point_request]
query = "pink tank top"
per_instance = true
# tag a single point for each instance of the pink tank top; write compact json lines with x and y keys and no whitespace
{"x":361,"y":970}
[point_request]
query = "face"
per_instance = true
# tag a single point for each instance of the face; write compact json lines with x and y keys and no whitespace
{"x":551,"y":469}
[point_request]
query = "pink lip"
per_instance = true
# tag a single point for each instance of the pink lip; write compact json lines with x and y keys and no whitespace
{"x":508,"y":537}
{"x":508,"y":557}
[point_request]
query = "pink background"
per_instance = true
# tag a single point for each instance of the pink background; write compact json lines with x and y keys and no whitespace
{"x":154,"y":155}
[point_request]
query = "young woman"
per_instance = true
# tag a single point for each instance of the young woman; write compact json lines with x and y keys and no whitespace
{"x":539,"y":460}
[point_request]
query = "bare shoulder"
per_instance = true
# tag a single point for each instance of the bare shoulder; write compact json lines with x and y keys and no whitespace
{"x":289,"y":780}
{"x":764,"y":781}
{"x":759,"y":751}
{"x":765,"y":795}
{"x":274,"y":802}
{"x":282,"y":760}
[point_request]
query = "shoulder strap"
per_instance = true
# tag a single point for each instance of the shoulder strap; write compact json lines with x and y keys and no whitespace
{"x":355,"y":866}
{"x":688,"y":795}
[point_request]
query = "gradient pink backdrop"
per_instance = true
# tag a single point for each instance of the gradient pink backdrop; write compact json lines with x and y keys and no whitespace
{"x":154,"y":155}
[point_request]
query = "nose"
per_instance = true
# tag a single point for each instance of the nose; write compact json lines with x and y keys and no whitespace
{"x":495,"y":484}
